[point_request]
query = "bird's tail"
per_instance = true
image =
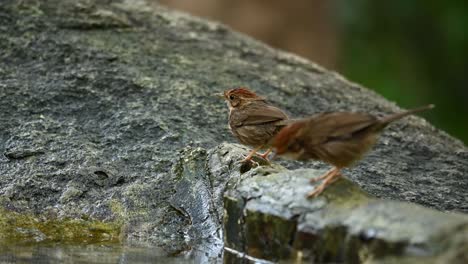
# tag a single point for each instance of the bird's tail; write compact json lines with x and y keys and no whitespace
{"x":388,"y":119}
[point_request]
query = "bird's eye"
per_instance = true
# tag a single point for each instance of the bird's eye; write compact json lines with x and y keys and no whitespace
{"x":231,"y":97}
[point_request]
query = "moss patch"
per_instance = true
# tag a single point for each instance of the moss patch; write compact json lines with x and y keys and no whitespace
{"x":18,"y":228}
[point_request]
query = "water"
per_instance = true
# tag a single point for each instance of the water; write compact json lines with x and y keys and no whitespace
{"x":102,"y":254}
{"x":111,"y":254}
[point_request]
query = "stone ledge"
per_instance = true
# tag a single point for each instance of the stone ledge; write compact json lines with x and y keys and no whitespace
{"x":267,"y":216}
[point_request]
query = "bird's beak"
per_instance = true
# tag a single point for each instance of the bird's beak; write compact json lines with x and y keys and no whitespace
{"x":219,"y":95}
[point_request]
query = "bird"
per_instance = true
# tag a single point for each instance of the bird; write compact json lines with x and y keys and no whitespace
{"x":337,"y":138}
{"x":253,"y":120}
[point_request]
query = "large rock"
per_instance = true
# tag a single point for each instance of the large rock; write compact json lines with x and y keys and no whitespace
{"x":107,"y":116}
{"x":268,"y":216}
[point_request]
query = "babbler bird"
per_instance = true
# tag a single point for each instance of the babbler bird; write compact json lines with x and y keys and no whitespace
{"x":252,"y":120}
{"x":337,"y":138}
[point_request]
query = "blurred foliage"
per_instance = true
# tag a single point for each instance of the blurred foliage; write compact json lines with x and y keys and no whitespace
{"x":411,"y":52}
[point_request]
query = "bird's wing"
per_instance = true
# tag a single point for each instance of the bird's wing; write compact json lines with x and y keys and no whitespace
{"x":262,"y":115}
{"x":286,"y":122}
{"x":339,"y":138}
{"x":326,"y":127}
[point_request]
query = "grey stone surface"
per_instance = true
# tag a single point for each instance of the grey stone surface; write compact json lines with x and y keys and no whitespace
{"x":107,"y":113}
{"x":269,"y":217}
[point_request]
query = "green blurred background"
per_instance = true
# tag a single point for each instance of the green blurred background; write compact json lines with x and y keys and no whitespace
{"x":412,"y":52}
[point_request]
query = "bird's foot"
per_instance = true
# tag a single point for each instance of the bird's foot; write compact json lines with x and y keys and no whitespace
{"x":250,"y":160}
{"x":250,"y":155}
{"x":331,"y":176}
{"x":265,"y":155}
{"x":316,"y":192}
{"x":324,"y":176}
{"x":246,"y":159}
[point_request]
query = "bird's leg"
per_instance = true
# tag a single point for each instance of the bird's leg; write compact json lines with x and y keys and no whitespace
{"x":265,"y":155}
{"x":335,"y":178}
{"x":252,"y":152}
{"x":323,"y":176}
{"x":332,"y":177}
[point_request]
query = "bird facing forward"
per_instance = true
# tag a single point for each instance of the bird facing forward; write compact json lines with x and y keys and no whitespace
{"x":252,"y":120}
{"x":337,"y":138}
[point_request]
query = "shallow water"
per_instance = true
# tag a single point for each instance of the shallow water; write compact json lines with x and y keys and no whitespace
{"x":107,"y":254}
{"x":102,"y":254}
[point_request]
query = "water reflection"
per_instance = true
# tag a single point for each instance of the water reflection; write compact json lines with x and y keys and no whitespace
{"x":101,"y":254}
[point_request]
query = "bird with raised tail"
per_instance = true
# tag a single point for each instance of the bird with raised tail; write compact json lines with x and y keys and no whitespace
{"x":338,"y":138}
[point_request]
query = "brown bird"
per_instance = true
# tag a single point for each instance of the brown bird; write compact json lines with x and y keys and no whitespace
{"x":252,"y":120}
{"x":338,"y":138}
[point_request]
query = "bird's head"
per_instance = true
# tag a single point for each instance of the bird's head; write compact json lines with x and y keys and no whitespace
{"x":240,"y":96}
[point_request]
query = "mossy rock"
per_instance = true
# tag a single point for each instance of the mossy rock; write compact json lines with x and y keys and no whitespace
{"x":107,"y":116}
{"x":269,"y":217}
